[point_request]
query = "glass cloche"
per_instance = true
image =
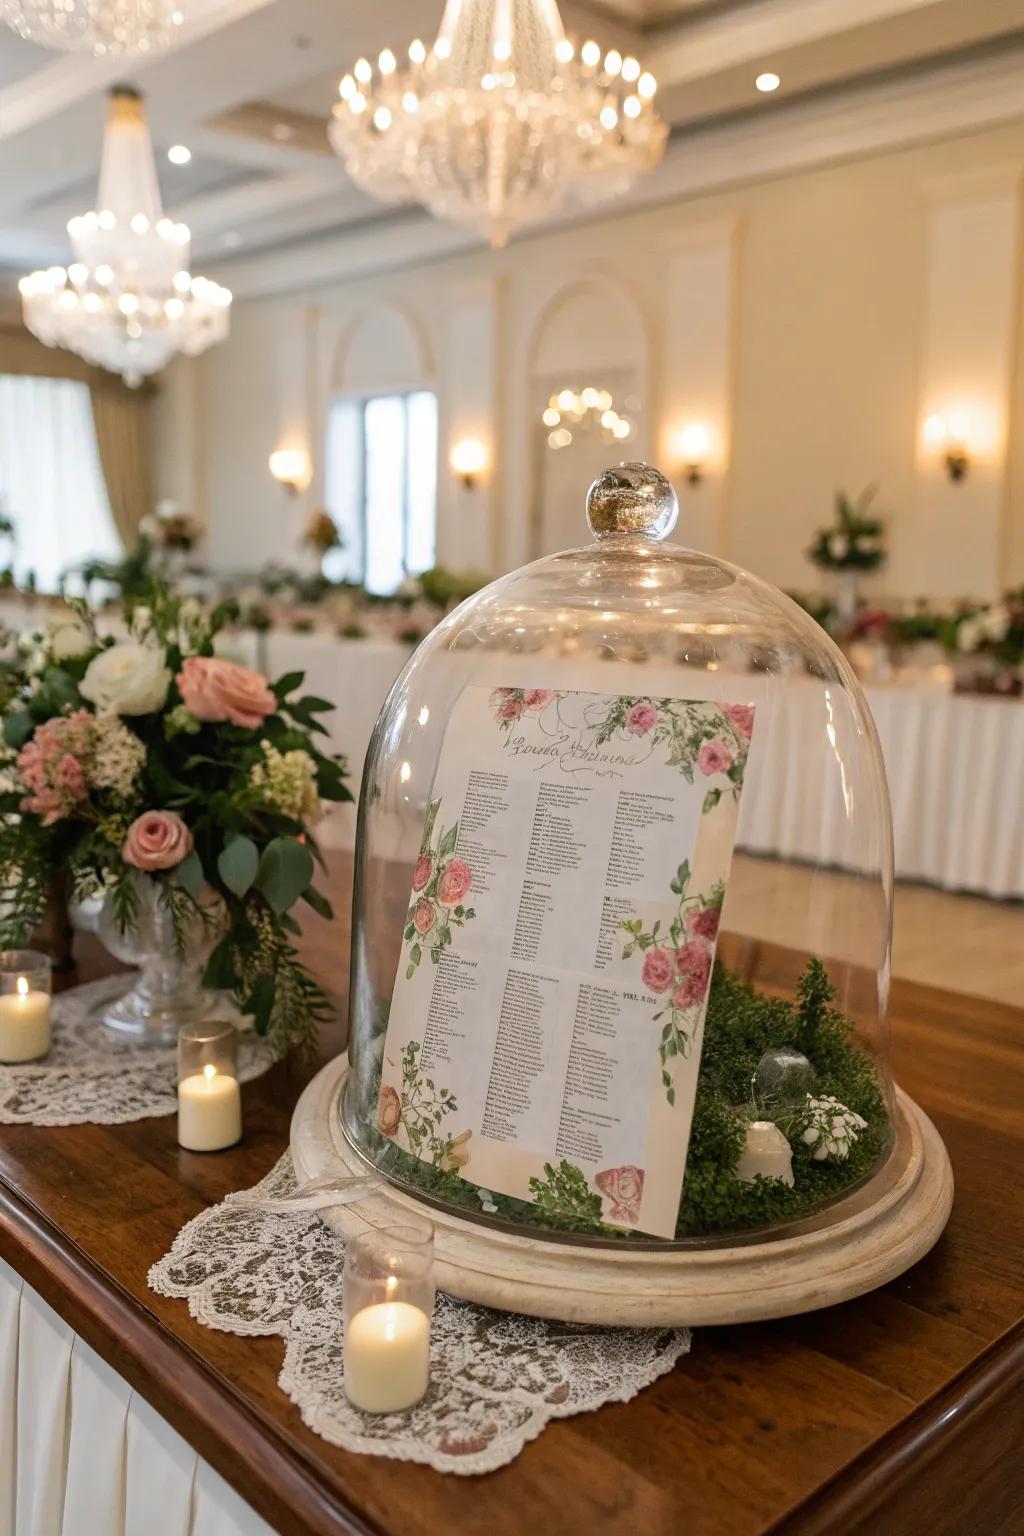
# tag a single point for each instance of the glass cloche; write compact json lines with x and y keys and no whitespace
{"x":622,"y":910}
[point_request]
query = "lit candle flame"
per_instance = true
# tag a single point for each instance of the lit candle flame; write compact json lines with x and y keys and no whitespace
{"x":22,"y":987}
{"x":209,"y":1071}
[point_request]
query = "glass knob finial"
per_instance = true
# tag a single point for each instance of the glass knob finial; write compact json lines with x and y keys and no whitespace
{"x":632,"y":498}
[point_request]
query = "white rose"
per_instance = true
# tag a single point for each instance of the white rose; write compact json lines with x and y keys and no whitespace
{"x":995,"y":622}
{"x":838,"y":546}
{"x":128,"y":678}
{"x":69,"y":638}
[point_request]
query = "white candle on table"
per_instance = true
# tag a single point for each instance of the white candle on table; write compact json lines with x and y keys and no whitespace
{"x":767,"y":1152}
{"x":209,"y":1111}
{"x":387,"y":1357}
{"x":24,"y":1023}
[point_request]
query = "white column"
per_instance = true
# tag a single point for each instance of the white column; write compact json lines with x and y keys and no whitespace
{"x":696,"y":376}
{"x":969,"y":321}
{"x":468,"y":518}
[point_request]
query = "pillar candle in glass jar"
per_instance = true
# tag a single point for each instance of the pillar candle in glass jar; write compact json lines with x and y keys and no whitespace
{"x":26,"y":985}
{"x":389,"y":1302}
{"x":209,"y":1099}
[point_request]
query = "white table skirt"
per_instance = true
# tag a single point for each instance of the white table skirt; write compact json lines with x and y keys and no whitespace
{"x":82,"y":1454}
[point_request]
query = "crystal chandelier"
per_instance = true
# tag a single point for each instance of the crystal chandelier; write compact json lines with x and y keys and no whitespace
{"x":101,"y":27}
{"x":128,"y":301}
{"x":501,"y":122}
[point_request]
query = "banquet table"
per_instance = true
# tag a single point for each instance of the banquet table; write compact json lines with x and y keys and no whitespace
{"x":899,"y":1413}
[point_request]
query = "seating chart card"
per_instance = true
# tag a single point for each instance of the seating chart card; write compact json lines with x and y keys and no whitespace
{"x":546,"y":1023}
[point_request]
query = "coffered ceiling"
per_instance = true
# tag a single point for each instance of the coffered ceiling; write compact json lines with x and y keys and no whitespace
{"x":251,"y":83}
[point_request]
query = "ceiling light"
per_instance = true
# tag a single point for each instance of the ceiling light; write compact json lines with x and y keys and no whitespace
{"x":769,"y":81}
{"x":132,"y":303}
{"x":100,"y":27}
{"x":179,"y":154}
{"x":528,"y":123}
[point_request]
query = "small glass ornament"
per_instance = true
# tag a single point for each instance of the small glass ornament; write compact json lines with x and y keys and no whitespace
{"x":389,"y":1302}
{"x":209,"y":1099}
{"x":26,"y":997}
{"x":783,"y":1079}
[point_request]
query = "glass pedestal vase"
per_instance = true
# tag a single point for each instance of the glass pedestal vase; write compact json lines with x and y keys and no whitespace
{"x":168,"y":993}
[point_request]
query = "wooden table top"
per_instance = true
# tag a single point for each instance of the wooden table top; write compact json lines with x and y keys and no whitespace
{"x":899,"y":1413}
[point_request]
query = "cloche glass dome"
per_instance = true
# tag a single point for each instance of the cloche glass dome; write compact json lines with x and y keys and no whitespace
{"x":622,"y":909}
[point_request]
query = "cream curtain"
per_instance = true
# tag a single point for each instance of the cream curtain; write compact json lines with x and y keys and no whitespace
{"x":122,"y":436}
{"x":121,"y":417}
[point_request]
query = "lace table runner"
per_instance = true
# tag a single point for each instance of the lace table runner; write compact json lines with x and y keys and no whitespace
{"x":93,"y":1076}
{"x":497,"y":1379}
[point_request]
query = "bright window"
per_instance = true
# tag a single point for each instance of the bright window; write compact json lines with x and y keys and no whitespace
{"x":381,"y":479}
{"x":51,"y":482}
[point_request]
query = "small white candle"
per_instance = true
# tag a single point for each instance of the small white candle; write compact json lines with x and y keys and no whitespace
{"x":387,"y":1357}
{"x":209,"y":1111}
{"x":24,"y":1023}
{"x":767,"y":1152}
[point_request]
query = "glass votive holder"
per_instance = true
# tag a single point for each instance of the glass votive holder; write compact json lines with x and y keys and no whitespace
{"x":26,"y":998}
{"x":209,"y":1100}
{"x":389,"y":1302}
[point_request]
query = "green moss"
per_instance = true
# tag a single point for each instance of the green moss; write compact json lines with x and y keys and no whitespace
{"x":741,"y":1024}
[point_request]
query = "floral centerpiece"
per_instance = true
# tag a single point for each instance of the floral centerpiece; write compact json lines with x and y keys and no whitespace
{"x":854,"y":542}
{"x":149,"y":767}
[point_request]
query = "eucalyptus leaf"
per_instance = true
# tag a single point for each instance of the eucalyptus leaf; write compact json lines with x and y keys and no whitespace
{"x":189,"y":875}
{"x":238,"y":863}
{"x":285,"y":871}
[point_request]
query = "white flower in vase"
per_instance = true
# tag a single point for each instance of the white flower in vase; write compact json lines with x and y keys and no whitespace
{"x":127,"y":679}
{"x":838,"y":546}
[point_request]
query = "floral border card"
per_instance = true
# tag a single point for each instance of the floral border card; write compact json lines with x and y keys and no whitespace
{"x":547,"y":1015}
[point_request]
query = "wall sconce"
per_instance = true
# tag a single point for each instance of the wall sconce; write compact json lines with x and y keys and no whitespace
{"x":468,"y":460}
{"x":949,"y":435}
{"x":290,"y":468}
{"x":692,"y":445}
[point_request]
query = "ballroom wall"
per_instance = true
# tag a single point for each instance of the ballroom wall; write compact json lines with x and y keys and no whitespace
{"x":813,"y":321}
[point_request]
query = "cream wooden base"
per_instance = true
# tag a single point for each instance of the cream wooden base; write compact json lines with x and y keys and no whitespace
{"x":883,"y":1235}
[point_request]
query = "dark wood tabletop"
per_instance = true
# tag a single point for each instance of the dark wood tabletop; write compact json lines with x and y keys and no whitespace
{"x":899,"y":1414}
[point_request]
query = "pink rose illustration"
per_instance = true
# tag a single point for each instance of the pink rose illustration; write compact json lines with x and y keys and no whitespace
{"x":510,"y":710}
{"x":214,"y":690}
{"x":157,"y":840}
{"x":536,"y":699}
{"x":421,"y":874}
{"x":742,"y":717}
{"x":424,"y":918}
{"x":642,"y":718}
{"x":456,"y":879}
{"x":693,"y":964}
{"x":658,"y":970}
{"x":714,"y":757}
{"x":703,"y":924}
{"x":389,"y":1111}
{"x":624,"y":1187}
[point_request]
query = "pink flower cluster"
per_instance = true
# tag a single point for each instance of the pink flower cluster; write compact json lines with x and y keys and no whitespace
{"x":642,"y":718}
{"x":686,"y":971}
{"x":53,"y":766}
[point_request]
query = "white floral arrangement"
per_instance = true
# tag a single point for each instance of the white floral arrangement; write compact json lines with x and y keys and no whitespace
{"x":831,"y":1128}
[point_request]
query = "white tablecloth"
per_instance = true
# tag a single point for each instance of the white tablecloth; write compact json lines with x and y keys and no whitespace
{"x":82,"y":1454}
{"x":955,"y":766}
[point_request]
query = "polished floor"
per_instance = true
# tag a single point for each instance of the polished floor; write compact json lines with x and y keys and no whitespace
{"x":961,"y":943}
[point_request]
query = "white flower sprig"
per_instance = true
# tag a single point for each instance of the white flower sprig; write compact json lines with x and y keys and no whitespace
{"x":831,"y":1128}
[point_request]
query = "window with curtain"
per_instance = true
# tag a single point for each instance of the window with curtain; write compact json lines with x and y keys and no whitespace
{"x":51,"y":482}
{"x":381,"y":483}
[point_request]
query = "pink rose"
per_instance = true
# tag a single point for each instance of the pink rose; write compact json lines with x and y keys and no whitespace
{"x":214,"y":690}
{"x":704,"y":924}
{"x":421,"y":874}
{"x":456,"y":879}
{"x":658,"y":970}
{"x":157,"y":840}
{"x":742,"y":717}
{"x":693,"y":963}
{"x":714,"y":757}
{"x":624,"y":1187}
{"x":537,"y":699}
{"x":424,"y":918}
{"x":389,"y":1111}
{"x":510,"y":710}
{"x":642,"y":718}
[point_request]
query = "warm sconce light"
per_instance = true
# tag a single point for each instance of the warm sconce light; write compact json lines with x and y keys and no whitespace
{"x":290,"y":468}
{"x":468,"y":460}
{"x":691,"y":449}
{"x":949,"y":434}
